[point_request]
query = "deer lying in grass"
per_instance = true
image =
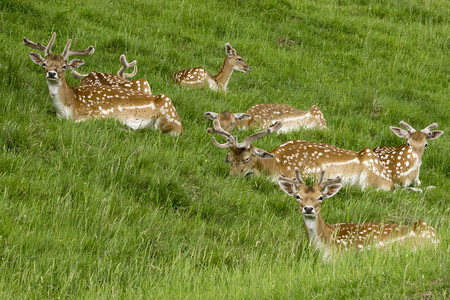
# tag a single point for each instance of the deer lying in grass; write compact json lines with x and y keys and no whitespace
{"x":134,"y":108}
{"x":199,"y":77}
{"x":359,"y":168}
{"x":105,"y":79}
{"x":262,"y":115}
{"x":328,"y":237}
{"x":403,"y":162}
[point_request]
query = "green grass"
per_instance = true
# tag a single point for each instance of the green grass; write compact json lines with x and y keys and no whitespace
{"x":94,"y":210}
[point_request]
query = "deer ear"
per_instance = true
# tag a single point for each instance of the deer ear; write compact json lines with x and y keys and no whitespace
{"x":211,"y":115}
{"x":36,"y":58}
{"x":288,"y":187}
{"x":331,"y":190}
{"x":263,"y":153}
{"x":241,"y":116}
{"x":432,"y":135}
{"x":75,"y":63}
{"x":399,"y":132}
{"x":229,"y":50}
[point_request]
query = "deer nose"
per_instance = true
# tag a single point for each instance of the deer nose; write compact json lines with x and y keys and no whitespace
{"x":51,"y":74}
{"x":308,"y":209}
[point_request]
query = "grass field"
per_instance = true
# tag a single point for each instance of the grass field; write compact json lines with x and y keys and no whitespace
{"x":95,"y":210}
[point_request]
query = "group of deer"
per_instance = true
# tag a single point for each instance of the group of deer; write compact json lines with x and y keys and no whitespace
{"x":102,"y":95}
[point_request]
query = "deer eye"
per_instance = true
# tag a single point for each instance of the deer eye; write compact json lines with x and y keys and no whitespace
{"x":298,"y":198}
{"x":246,"y":160}
{"x":64,"y":67}
{"x":320,"y":198}
{"x":239,"y":59}
{"x":426,"y":145}
{"x":408,"y":144}
{"x":44,"y":65}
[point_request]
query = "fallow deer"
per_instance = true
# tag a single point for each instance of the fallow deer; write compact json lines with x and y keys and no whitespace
{"x":105,"y":79}
{"x":135,"y":109}
{"x":199,"y":77}
{"x":359,"y":236}
{"x":359,"y":168}
{"x":403,"y":162}
{"x":263,"y":115}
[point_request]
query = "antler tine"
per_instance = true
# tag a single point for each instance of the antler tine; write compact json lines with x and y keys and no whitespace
{"x":272,"y":128}
{"x":429,"y":128}
{"x":48,"y":49}
{"x":228,"y":144}
{"x":298,"y":176}
{"x":77,"y":75}
{"x":331,"y":181}
{"x":407,"y":127}
{"x":231,"y":140}
{"x":322,"y":173}
{"x":88,"y":51}
{"x":67,"y":52}
{"x":125,"y":65}
{"x":66,"y":49}
{"x":37,"y":45}
{"x":285,"y":178}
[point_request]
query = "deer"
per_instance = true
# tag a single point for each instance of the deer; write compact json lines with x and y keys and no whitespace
{"x":346,"y":236}
{"x":358,"y":168}
{"x":262,"y":115}
{"x":133,"y":108}
{"x":119,"y":80}
{"x":403,"y":162}
{"x":199,"y":77}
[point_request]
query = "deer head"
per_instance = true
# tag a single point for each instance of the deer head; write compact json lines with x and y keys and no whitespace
{"x":226,"y":118}
{"x":55,"y":65}
{"x":310,"y":198}
{"x":418,"y":140}
{"x":242,"y":156}
{"x":239,"y":64}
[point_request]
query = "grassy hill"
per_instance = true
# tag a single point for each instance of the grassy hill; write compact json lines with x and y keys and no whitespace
{"x":95,"y":210}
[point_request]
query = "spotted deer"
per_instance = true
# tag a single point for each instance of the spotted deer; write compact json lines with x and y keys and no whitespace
{"x":134,"y":108}
{"x":358,"y":168}
{"x":403,"y":162}
{"x":105,"y":79}
{"x":198,"y":77}
{"x":358,"y":236}
{"x":262,"y":115}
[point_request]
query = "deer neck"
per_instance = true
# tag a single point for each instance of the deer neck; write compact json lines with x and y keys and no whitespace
{"x":267,"y":166}
{"x":62,"y":96}
{"x":224,"y":74}
{"x":318,"y":231}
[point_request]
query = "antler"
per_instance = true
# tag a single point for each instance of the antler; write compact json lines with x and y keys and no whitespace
{"x":407,"y":127}
{"x":77,"y":75}
{"x":297,"y":180}
{"x":231,"y":140}
{"x":125,"y":65}
{"x":66,"y":53}
{"x":298,"y":176}
{"x":247,"y":142}
{"x":428,"y":129}
{"x":38,"y":46}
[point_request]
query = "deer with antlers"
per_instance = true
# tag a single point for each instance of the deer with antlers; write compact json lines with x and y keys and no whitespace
{"x":328,"y":237}
{"x":119,"y":80}
{"x":199,"y":77}
{"x":403,"y":162}
{"x":263,"y":115}
{"x":133,"y":108}
{"x":359,"y":168}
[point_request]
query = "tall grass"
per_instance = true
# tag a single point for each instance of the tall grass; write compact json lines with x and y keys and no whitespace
{"x":94,"y":210}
